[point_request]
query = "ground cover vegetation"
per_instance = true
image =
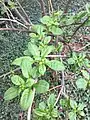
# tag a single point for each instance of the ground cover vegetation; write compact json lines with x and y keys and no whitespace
{"x":51,"y":77}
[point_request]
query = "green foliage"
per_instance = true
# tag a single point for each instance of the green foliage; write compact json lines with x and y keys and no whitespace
{"x":77,"y":59}
{"x":26,"y":99}
{"x":35,"y":63}
{"x":47,"y":111}
{"x":56,"y":65}
{"x":24,"y":87}
{"x":81,"y":83}
{"x":42,"y":86}
{"x":17,"y":80}
{"x":74,"y":109}
{"x":11,"y":93}
{"x":25,"y":64}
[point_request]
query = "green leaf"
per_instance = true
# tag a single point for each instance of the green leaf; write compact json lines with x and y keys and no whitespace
{"x":55,"y":65}
{"x":81,"y":106}
{"x":27,"y":99}
{"x":47,"y":50}
{"x":34,"y":72}
{"x":88,"y":8}
{"x":80,"y":15}
{"x":85,"y":74}
{"x":82,"y":113}
{"x":17,"y":80}
{"x":72,"y":115}
{"x":42,"y":106}
{"x":54,"y":113}
{"x":73,"y":104}
{"x":29,"y":82}
{"x":33,"y":49}
{"x":47,"y":39}
{"x":70,"y":20}
{"x":26,"y":52}
{"x":87,"y":23}
{"x":39,"y":29}
{"x":42,"y":86}
{"x":71,"y":61}
{"x":42,"y":69}
{"x":56,"y":30}
{"x":18,"y":61}
{"x":26,"y":67}
{"x":81,"y":83}
{"x":11,"y":93}
{"x":64,"y":102}
{"x":39,"y":112}
{"x":51,"y":100}
{"x":33,"y":35}
{"x":45,"y":19}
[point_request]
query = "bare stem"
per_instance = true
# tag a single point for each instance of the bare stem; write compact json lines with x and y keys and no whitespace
{"x":29,"y":110}
{"x":54,"y":88}
{"x":81,"y":25}
{"x":61,"y":90}
{"x":8,"y":73}
{"x":24,"y":12}
{"x":15,"y":21}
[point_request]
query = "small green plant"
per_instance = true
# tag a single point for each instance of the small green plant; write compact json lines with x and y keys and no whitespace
{"x":83,"y":83}
{"x":47,"y":111}
{"x":77,"y":60}
{"x":35,"y":62}
{"x":75,"y":110}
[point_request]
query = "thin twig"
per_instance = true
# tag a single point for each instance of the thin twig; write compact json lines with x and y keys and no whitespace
{"x":54,"y":88}
{"x":29,"y":110}
{"x":42,"y":7}
{"x":79,"y":27}
{"x":7,"y":14}
{"x":83,"y":47}
{"x":8,"y":73}
{"x":62,"y":26}
{"x":24,"y":12}
{"x":50,"y":6}
{"x":10,"y":13}
{"x":56,"y":56}
{"x":20,"y":16}
{"x":61,"y":90}
{"x":15,"y":21}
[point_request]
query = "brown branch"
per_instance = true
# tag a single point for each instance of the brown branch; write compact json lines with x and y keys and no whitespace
{"x":42,"y":7}
{"x":50,"y":6}
{"x":62,"y":26}
{"x":83,"y":47}
{"x":58,"y":96}
{"x":54,"y":88}
{"x":27,"y":17}
{"x":8,"y":73}
{"x":79,"y":27}
{"x":15,"y":21}
{"x":7,"y":12}
{"x":20,"y":16}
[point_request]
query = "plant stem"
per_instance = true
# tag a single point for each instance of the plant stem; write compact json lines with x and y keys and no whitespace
{"x":29,"y":110}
